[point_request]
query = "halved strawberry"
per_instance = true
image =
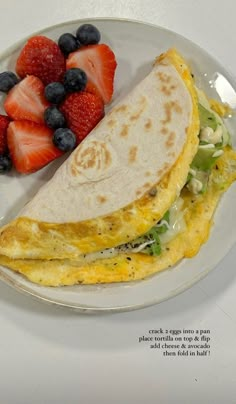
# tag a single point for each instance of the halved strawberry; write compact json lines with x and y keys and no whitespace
{"x":82,"y":111}
{"x":4,"y":122}
{"x":99,"y":63}
{"x":92,"y":89}
{"x":41,"y":57}
{"x":30,"y":146}
{"x":26,"y":100}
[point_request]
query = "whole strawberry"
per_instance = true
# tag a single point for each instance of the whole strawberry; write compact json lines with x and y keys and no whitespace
{"x":42,"y":58}
{"x":4,"y":122}
{"x":82,"y":111}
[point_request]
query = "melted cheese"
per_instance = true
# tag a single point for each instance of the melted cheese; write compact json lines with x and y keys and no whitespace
{"x":176,"y":221}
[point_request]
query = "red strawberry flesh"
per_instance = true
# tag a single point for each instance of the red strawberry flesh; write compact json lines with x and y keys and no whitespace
{"x":99,"y":63}
{"x":42,"y":58}
{"x":82,"y":111}
{"x":4,"y":122}
{"x":26,"y":100}
{"x":30,"y":146}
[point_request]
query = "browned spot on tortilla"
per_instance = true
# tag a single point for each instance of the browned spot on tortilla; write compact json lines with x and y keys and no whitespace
{"x":107,"y":158}
{"x":95,"y":156}
{"x":142,"y":102}
{"x":132,"y":154}
{"x":166,"y":90}
{"x":101,"y":198}
{"x":170,"y":140}
{"x":170,"y":107}
{"x":167,"y":108}
{"x":111,"y":123}
{"x":125,"y":130}
{"x":166,"y":166}
{"x":121,"y":108}
{"x":164,"y":78}
{"x":164,"y":130}
{"x":148,"y":124}
{"x":186,"y":129}
{"x":136,"y":116}
{"x":143,"y":189}
{"x":147,"y":173}
{"x":171,"y":154}
{"x":74,"y":172}
{"x":177,"y":108}
{"x":88,"y":158}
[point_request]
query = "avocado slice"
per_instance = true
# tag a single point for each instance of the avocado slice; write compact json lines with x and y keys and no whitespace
{"x":163,"y":228}
{"x":207,"y":118}
{"x":204,"y":160}
{"x":213,"y":120}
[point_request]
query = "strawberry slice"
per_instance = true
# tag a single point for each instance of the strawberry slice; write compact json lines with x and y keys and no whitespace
{"x":82,"y":111}
{"x":4,"y":122}
{"x":41,"y":57}
{"x":99,"y":63}
{"x":26,"y":100}
{"x":91,"y":88}
{"x":30,"y":146}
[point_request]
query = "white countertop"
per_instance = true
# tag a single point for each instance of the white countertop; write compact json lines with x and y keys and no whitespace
{"x":51,"y":355}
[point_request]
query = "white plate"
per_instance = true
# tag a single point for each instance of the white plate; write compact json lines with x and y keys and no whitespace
{"x":135,"y":45}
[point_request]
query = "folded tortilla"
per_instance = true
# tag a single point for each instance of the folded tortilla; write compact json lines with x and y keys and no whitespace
{"x":198,"y":216}
{"x":121,"y":179}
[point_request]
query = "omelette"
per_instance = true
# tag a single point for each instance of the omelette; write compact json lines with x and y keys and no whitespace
{"x":145,"y":184}
{"x":121,"y":179}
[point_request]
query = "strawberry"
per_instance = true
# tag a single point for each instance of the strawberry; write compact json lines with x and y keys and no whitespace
{"x":4,"y":122}
{"x":30,"y":146}
{"x":26,"y":100}
{"x":99,"y":63}
{"x":42,"y":58}
{"x":82,"y":111}
{"x":91,"y":88}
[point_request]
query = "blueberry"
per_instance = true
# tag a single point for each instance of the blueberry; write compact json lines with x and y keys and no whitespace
{"x":88,"y":34}
{"x":5,"y":164}
{"x":68,"y":43}
{"x":55,"y":92}
{"x":75,"y":79}
{"x":7,"y":81}
{"x":64,"y":139}
{"x":54,"y":118}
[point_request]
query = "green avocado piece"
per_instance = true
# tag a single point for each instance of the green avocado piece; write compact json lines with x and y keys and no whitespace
{"x":151,"y":249}
{"x":207,"y":118}
{"x":204,"y":159}
{"x":213,"y":120}
{"x":155,"y":248}
{"x":163,"y":228}
{"x":226,"y":137}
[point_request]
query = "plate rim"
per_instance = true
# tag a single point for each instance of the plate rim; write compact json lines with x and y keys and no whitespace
{"x":116,"y":309}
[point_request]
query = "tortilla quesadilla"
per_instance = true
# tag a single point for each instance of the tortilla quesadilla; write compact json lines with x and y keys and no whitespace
{"x":121,"y":179}
{"x":167,"y":221}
